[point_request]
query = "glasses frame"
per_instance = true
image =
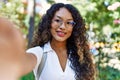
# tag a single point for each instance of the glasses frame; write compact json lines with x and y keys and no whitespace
{"x":59,"y":22}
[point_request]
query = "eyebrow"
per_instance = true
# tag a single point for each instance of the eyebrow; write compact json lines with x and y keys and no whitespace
{"x":61,"y":17}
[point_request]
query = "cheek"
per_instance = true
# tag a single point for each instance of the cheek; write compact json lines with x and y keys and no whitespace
{"x":53,"y":25}
{"x":52,"y":29}
{"x":70,"y":31}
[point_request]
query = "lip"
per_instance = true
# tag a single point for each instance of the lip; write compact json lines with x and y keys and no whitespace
{"x":60,"y":33}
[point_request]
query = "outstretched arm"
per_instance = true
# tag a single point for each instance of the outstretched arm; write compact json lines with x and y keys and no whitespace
{"x":14,"y":62}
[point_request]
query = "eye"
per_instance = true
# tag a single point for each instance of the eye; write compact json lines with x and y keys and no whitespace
{"x":71,"y":23}
{"x":57,"y":20}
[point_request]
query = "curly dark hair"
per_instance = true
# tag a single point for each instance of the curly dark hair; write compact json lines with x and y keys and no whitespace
{"x":77,"y":44}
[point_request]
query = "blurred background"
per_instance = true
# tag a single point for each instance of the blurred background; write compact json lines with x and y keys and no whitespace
{"x":102,"y":22}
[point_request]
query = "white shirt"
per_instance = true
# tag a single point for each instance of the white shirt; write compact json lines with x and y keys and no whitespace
{"x":52,"y":69}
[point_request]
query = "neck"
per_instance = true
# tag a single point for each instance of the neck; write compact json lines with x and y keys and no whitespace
{"x":59,"y":46}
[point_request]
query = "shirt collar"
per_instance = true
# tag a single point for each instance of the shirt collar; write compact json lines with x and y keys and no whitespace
{"x":47,"y":47}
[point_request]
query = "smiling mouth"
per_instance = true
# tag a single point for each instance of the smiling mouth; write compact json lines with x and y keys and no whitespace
{"x":61,"y":34}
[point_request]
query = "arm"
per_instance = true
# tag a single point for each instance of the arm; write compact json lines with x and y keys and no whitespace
{"x":14,"y":62}
{"x":27,"y":62}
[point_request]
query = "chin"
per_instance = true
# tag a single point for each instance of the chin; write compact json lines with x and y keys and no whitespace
{"x":60,"y":40}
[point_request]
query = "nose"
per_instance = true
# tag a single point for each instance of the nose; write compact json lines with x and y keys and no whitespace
{"x":62,"y":26}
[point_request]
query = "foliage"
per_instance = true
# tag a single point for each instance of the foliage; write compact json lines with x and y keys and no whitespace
{"x":96,"y":12}
{"x":29,"y":76}
{"x":11,"y":10}
{"x":101,"y":28}
{"x":107,"y":65}
{"x":113,"y":73}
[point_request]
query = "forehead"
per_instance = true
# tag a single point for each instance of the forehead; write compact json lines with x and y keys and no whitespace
{"x":63,"y":13}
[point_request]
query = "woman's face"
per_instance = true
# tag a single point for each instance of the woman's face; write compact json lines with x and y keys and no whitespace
{"x":62,"y":25}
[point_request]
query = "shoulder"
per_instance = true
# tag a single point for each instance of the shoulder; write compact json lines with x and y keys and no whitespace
{"x":38,"y":52}
{"x":36,"y":49}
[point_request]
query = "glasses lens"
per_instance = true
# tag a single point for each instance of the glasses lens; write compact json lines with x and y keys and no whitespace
{"x":72,"y":23}
{"x":57,"y":21}
{"x":67,"y":24}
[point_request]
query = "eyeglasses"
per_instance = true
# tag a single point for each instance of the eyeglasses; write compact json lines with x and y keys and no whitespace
{"x":59,"y":22}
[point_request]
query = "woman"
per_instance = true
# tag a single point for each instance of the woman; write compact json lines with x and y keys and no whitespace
{"x":62,"y":35}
